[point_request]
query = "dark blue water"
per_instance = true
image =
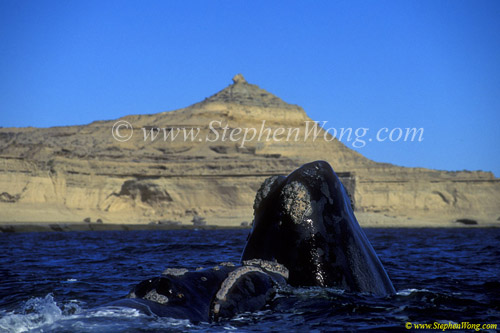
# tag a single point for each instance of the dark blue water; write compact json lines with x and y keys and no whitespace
{"x":59,"y":282}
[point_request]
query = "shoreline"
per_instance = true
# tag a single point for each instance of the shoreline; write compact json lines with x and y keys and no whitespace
{"x":21,"y":227}
{"x":72,"y":226}
{"x":365,"y":219}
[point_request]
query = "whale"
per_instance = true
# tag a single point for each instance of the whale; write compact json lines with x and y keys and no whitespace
{"x":210,"y":294}
{"x":306,"y":222}
{"x":304,"y":233}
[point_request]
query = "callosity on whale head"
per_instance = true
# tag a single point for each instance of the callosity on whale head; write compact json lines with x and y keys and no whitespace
{"x":306,"y":223}
{"x":208,"y":294}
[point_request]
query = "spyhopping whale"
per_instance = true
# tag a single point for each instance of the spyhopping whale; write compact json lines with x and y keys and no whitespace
{"x":304,"y":234}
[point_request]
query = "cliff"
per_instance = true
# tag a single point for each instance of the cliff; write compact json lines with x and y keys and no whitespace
{"x":209,"y":159}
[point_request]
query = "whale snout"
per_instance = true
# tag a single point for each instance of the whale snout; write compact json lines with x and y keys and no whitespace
{"x":305,"y":221}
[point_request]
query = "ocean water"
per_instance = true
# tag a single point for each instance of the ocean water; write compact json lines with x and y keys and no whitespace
{"x":61,"y":281}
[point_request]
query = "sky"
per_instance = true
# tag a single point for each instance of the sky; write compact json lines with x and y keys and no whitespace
{"x":355,"y":64}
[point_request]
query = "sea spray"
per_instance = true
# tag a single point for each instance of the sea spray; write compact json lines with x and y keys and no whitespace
{"x":35,"y":313}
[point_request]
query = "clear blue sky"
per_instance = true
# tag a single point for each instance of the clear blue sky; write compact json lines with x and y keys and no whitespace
{"x":431,"y":64}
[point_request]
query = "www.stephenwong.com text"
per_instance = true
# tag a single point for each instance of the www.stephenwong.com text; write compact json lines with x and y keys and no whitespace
{"x":219,"y":131}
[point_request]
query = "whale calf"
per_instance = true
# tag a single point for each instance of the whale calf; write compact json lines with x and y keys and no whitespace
{"x":304,"y":234}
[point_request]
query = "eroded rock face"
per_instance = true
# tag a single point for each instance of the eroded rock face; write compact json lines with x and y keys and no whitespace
{"x":145,"y":191}
{"x":243,"y":93}
{"x":6,"y":197}
{"x":238,"y":78}
{"x":68,"y":173}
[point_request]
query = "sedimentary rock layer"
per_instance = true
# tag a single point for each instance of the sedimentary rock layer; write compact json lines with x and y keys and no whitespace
{"x":184,"y":163}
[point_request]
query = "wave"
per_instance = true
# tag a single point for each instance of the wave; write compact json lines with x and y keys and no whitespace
{"x":34,"y":314}
{"x":42,"y":314}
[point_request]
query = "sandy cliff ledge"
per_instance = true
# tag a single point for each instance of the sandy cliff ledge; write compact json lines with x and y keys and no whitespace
{"x":65,"y":174}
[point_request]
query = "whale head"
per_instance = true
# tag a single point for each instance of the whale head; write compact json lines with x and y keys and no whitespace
{"x":305,"y":222}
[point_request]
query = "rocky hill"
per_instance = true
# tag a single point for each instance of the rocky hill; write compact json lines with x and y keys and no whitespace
{"x":208,"y":160}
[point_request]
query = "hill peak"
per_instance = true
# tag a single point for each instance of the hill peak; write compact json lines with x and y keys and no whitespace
{"x":243,"y":93}
{"x":238,"y":78}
